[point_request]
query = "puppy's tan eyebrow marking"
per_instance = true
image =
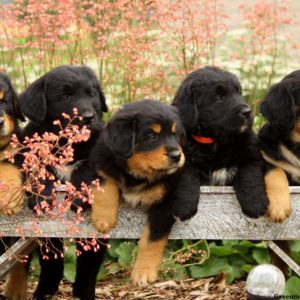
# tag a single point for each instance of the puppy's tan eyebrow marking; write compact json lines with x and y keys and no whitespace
{"x":173,"y":129}
{"x":156,"y":127}
{"x":1,"y":94}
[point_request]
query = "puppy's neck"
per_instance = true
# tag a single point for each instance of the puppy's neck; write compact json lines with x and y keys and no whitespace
{"x":4,"y":146}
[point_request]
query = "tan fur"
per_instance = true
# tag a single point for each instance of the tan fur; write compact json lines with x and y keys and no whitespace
{"x":105,"y":206}
{"x":151,"y":164}
{"x":16,"y":283}
{"x":156,"y":128}
{"x":286,"y":166}
{"x":289,"y":155}
{"x":11,"y":191}
{"x":7,"y":130}
{"x":277,"y":188}
{"x":173,"y":127}
{"x":145,"y":196}
{"x":148,"y":260}
{"x":2,"y":94}
{"x":295,"y":133}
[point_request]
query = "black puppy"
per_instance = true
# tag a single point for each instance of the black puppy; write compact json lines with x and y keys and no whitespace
{"x":60,"y":91}
{"x":11,"y":177}
{"x":279,"y":140}
{"x":221,"y":147}
{"x":138,"y":158}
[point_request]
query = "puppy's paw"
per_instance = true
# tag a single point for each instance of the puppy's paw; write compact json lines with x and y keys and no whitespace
{"x":279,"y":212}
{"x":103,"y":224}
{"x":255,"y":209}
{"x":12,"y":208}
{"x":142,"y":276}
{"x":184,"y":213}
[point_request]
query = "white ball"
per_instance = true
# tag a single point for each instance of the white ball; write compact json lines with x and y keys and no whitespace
{"x":265,"y":280}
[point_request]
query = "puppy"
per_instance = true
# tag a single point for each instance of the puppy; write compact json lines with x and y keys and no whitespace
{"x":60,"y":91}
{"x":221,"y":147}
{"x":10,"y":176}
{"x":279,"y":140}
{"x":138,"y":158}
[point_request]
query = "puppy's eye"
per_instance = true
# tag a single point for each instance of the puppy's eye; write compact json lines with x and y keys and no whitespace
{"x":219,"y":97}
{"x":151,"y":135}
{"x":67,"y":97}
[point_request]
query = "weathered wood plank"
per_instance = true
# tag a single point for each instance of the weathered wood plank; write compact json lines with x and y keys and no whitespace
{"x":219,"y":217}
{"x":8,"y":259}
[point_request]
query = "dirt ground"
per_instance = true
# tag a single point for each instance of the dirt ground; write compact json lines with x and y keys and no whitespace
{"x":203,"y":289}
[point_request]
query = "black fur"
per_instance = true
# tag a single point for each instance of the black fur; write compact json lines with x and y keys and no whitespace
{"x":57,"y":92}
{"x":281,"y":108}
{"x":8,"y":105}
{"x":126,"y":134}
{"x":211,"y":105}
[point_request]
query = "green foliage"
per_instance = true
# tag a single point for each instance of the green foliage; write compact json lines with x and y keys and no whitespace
{"x":292,"y":286}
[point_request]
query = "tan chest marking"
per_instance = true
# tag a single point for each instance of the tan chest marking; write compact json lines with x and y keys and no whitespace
{"x":295,"y":133}
{"x":146,"y":196}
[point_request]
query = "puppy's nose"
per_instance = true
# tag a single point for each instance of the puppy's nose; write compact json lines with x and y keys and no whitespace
{"x":88,"y":116}
{"x":175,"y":156}
{"x":1,"y":122}
{"x":246,"y":112}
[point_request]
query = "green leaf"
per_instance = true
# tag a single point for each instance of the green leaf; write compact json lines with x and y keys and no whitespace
{"x":295,"y":246}
{"x":213,"y":266}
{"x":70,"y":263}
{"x":221,"y":250}
{"x":262,"y":256}
{"x":292,"y":286}
{"x":70,"y":271}
{"x":125,"y":253}
{"x":172,"y":270}
{"x":114,"y":244}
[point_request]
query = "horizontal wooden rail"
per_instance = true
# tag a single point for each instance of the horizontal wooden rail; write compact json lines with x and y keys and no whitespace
{"x":219,"y":217}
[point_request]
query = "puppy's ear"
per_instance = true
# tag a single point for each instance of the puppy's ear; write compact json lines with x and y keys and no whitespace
{"x":33,"y":101}
{"x":186,"y":101}
{"x":279,"y":106}
{"x":102,"y":98}
{"x":17,"y":111}
{"x":120,"y":136}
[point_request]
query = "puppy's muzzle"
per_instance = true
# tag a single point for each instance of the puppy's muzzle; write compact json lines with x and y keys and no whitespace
{"x":88,"y":117}
{"x":246,"y":112}
{"x":174,"y":156}
{"x":2,"y":122}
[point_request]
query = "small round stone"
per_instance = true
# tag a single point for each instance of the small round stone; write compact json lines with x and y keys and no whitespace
{"x":265,"y":280}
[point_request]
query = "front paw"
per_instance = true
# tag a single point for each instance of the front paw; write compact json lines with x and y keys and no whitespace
{"x":103,"y":224}
{"x":142,"y":276}
{"x":255,"y":209}
{"x":280,"y":212}
{"x":184,"y":212}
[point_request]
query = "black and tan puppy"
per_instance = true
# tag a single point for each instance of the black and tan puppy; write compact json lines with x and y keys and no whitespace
{"x":10,"y":175}
{"x":221,"y":148}
{"x":138,"y":158}
{"x":45,"y":100}
{"x":11,"y":193}
{"x":279,"y":140}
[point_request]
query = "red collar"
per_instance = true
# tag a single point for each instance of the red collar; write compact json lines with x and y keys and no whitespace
{"x":203,"y":140}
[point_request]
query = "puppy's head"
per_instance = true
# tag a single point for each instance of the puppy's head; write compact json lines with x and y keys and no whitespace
{"x":9,"y":108}
{"x":61,"y":90}
{"x":210,"y":103}
{"x":147,"y":134}
{"x":281,"y":106}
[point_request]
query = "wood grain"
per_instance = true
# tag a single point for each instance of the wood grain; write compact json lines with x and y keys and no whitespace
{"x":219,"y":217}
